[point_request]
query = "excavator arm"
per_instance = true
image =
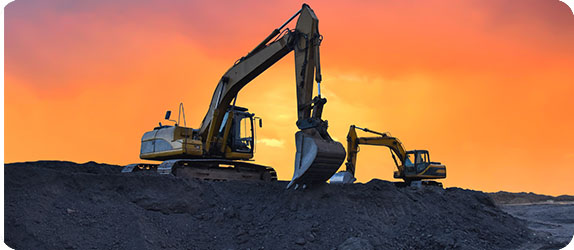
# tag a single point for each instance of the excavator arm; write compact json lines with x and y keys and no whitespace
{"x":318,"y":156}
{"x":239,"y":75}
{"x":384,"y":139}
{"x":302,"y":40}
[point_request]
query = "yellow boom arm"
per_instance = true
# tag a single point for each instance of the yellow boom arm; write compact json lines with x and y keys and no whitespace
{"x":384,"y":139}
{"x":304,"y":40}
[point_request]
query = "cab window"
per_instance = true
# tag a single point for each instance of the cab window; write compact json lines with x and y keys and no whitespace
{"x":244,"y":139}
{"x":419,"y":158}
{"x":409,"y":160}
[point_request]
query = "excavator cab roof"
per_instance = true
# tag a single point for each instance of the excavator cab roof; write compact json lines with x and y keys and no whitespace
{"x":238,"y":108}
{"x":417,"y":151}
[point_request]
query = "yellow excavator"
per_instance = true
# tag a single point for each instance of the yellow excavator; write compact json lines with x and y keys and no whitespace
{"x":222,"y":147}
{"x":413,"y":166}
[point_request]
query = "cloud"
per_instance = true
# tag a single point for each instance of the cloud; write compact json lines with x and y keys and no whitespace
{"x":271,"y":142}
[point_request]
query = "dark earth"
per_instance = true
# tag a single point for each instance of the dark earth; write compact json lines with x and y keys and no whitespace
{"x":64,"y":205}
{"x":552,"y":217}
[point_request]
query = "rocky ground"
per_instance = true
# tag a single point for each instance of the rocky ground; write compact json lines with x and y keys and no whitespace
{"x":63,"y":205}
{"x":506,"y":198}
{"x":548,"y":216}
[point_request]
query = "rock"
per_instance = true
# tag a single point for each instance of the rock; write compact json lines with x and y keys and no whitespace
{"x":230,"y":213}
{"x":243,"y":240}
{"x":310,"y":237}
{"x":355,"y":243}
{"x":241,"y":232}
{"x":300,"y":241}
{"x":70,"y":211}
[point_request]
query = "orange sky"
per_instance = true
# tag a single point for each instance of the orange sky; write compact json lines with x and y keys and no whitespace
{"x":486,"y":86}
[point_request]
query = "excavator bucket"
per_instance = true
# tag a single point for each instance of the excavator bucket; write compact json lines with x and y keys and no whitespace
{"x":316,"y":160}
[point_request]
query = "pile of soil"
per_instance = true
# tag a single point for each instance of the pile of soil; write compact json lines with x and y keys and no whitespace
{"x":63,"y":205}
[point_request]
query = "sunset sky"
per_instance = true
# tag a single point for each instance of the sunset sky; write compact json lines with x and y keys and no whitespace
{"x":487,"y":86}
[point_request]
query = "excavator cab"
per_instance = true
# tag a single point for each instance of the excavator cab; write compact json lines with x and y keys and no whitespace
{"x":417,"y":165}
{"x":416,"y":161}
{"x":242,"y":131}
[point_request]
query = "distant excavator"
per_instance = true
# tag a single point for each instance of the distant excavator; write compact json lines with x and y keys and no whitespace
{"x":413,"y":166}
{"x":224,"y":144}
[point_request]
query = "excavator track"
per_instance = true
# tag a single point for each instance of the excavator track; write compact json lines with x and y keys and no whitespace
{"x":418,"y":183}
{"x":209,"y":169}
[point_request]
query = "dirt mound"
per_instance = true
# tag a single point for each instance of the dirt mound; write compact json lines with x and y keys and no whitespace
{"x":63,"y":205}
{"x":504,"y":198}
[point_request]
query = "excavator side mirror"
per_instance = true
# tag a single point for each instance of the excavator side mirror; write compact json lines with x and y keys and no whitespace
{"x":260,"y":122}
{"x":167,"y":114}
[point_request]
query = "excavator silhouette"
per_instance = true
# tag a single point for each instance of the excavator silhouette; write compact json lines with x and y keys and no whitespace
{"x":413,"y":166}
{"x":222,"y":147}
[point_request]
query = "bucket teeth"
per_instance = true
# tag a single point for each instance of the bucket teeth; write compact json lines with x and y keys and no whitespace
{"x":316,"y":160}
